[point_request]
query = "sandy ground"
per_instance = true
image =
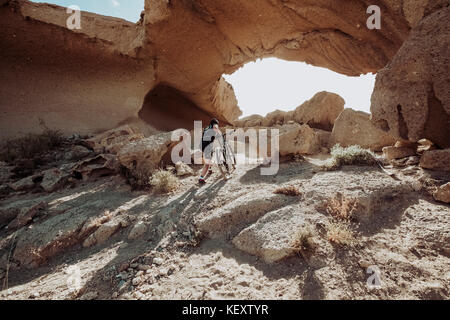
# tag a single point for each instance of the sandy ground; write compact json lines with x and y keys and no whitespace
{"x":407,"y":244}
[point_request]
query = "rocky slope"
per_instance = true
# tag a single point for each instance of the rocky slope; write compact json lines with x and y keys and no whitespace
{"x":90,"y":236}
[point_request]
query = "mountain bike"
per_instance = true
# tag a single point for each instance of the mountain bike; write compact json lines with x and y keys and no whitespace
{"x":225,"y":158}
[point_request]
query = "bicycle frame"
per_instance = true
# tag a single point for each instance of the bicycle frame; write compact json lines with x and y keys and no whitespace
{"x":228,"y":158}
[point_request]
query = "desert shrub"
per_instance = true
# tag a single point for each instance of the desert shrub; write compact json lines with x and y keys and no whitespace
{"x":341,"y":207}
{"x":353,"y":155}
{"x":137,"y":178}
{"x":340,"y":233}
{"x":31,"y":145}
{"x":196,"y":238}
{"x":164,"y":181}
{"x":303,"y":240}
{"x":288,"y":191}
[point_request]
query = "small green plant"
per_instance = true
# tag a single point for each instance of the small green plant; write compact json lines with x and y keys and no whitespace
{"x":352,"y":155}
{"x":164,"y":181}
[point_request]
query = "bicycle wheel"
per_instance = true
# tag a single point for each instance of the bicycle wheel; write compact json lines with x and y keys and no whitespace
{"x":221,"y":163}
{"x":231,"y":158}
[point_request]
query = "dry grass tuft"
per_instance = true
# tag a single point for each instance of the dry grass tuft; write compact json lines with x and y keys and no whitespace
{"x":303,"y":242}
{"x":291,"y":191}
{"x":31,"y":145}
{"x":164,"y":181}
{"x":340,"y":233}
{"x":341,"y":207}
{"x":196,"y":239}
{"x":353,"y":155}
{"x":138,"y":178}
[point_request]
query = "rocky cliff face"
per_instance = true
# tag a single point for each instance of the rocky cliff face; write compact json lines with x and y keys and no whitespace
{"x":77,"y":81}
{"x":411,"y":99}
{"x":98,"y":77}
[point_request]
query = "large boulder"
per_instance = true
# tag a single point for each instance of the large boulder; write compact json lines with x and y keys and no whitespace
{"x":276,"y":117}
{"x":145,"y":154}
{"x":411,"y":99}
{"x":71,"y":226}
{"x":113,"y":140}
{"x":101,"y":165}
{"x":298,"y":139}
{"x":54,"y":179}
{"x":273,"y":236}
{"x":238,"y":213}
{"x":443,"y":193}
{"x":354,"y":128}
{"x":393,"y":152}
{"x":254,"y":120}
{"x":320,"y":111}
{"x":436,"y":160}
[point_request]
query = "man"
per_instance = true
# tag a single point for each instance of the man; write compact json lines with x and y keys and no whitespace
{"x":209,"y":135}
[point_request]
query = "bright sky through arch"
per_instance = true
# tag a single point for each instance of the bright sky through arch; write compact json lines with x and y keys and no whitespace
{"x":126,"y":9}
{"x":265,"y":85}
{"x":269,"y":84}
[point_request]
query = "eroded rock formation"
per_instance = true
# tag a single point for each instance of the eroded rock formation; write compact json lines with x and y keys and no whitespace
{"x":77,"y":81}
{"x":354,"y":128}
{"x":319,"y":112}
{"x":411,"y":99}
{"x":98,"y":77}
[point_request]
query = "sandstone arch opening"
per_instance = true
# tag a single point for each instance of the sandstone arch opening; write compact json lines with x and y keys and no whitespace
{"x":166,"y":108}
{"x":273,"y":84}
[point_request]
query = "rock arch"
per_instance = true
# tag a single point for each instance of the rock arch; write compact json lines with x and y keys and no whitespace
{"x":166,"y":108}
{"x":185,"y":44}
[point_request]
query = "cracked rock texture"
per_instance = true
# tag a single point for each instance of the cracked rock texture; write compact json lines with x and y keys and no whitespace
{"x":411,"y":99}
